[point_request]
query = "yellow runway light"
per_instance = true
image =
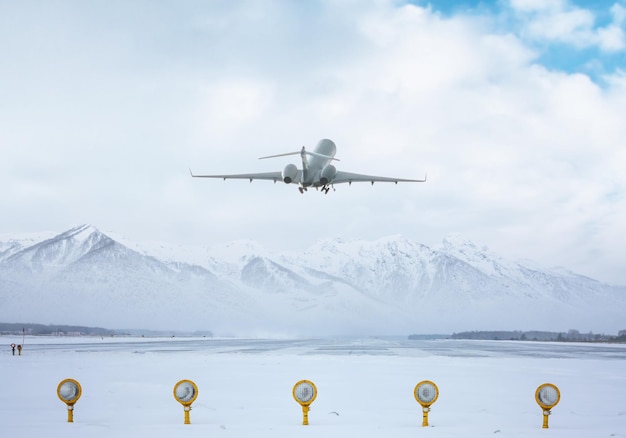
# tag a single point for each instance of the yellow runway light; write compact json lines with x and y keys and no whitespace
{"x":547,"y":396}
{"x":69,"y":391}
{"x":305,"y":392}
{"x":426,"y":393}
{"x":185,"y":393}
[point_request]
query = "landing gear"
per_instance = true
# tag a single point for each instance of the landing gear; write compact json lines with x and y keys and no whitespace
{"x":302,"y":189}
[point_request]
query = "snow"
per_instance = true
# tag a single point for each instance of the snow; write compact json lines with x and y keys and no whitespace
{"x":165,"y":251}
{"x":344,"y":287}
{"x":365,"y":387}
{"x":14,"y":243}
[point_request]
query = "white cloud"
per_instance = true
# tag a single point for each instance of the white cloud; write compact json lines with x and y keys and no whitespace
{"x":612,"y":38}
{"x":619,"y":14}
{"x":562,"y":22}
{"x":537,"y":5}
{"x":234,"y":102}
{"x":573,"y":27}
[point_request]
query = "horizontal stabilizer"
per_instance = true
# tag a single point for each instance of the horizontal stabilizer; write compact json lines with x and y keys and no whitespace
{"x":280,"y":155}
{"x":302,"y":153}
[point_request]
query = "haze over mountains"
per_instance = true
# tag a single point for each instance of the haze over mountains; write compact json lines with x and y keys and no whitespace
{"x":388,"y":286}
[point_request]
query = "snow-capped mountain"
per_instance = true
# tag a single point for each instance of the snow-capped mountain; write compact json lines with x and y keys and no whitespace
{"x":388,"y":286}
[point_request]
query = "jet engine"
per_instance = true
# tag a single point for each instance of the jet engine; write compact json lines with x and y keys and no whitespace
{"x":327,"y":174}
{"x":290,"y":172}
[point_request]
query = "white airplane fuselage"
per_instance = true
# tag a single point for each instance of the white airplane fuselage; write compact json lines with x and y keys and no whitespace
{"x":317,"y":164}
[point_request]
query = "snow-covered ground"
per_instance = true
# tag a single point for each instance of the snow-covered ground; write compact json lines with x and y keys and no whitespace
{"x":365,"y":387}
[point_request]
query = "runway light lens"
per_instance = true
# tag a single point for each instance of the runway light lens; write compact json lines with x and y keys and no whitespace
{"x":304,"y":392}
{"x":185,"y":392}
{"x":426,"y":393}
{"x":548,"y":396}
{"x":69,"y":391}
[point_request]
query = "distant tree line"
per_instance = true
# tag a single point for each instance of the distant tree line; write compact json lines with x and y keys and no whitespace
{"x":41,"y":330}
{"x":77,"y":330}
{"x":535,"y":335}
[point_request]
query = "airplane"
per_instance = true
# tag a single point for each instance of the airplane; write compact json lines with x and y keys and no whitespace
{"x":317,"y":171}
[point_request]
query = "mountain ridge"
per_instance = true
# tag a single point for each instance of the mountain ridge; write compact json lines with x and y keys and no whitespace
{"x":390,"y":285}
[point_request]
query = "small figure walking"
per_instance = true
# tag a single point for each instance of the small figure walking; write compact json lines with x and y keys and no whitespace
{"x":13,"y":349}
{"x":19,"y":350}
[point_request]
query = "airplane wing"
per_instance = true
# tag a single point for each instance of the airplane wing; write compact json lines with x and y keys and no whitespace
{"x":347,"y":177}
{"x":271,"y":176}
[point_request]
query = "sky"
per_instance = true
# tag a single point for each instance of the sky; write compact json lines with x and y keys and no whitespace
{"x":514,"y":109}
